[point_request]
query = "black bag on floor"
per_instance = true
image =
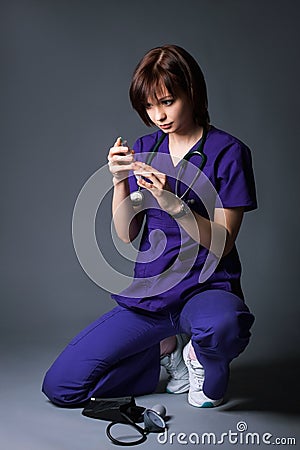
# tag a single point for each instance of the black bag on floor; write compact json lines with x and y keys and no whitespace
{"x":111,"y":409}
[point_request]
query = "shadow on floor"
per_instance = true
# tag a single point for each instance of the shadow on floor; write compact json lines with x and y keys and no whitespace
{"x":272,"y":387}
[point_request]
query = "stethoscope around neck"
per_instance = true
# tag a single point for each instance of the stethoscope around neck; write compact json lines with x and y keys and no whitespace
{"x":137,"y":197}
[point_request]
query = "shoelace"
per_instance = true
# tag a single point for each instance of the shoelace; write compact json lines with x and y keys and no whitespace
{"x":198,"y":375}
{"x":173,"y":372}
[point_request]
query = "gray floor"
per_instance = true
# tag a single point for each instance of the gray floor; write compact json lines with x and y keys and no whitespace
{"x":264,"y":397}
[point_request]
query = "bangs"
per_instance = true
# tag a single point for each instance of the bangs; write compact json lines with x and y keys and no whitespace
{"x":154,"y":84}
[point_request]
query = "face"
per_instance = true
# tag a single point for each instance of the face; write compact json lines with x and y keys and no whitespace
{"x":172,"y":115}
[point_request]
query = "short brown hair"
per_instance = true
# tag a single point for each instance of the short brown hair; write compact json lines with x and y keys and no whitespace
{"x":177,"y":70}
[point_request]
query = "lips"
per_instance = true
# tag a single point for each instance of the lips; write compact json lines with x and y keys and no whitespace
{"x":166,"y":126}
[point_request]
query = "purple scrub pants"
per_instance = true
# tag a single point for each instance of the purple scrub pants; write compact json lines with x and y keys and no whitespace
{"x":119,"y":354}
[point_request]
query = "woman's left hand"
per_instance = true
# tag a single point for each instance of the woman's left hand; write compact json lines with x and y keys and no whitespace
{"x":158,"y":186}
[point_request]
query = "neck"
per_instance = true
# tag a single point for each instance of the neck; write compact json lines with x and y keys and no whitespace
{"x":186,"y":139}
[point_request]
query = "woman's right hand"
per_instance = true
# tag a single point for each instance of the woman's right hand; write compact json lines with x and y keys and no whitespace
{"x":120,"y":160}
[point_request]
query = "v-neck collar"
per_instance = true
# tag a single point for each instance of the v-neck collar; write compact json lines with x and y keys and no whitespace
{"x":167,"y":148}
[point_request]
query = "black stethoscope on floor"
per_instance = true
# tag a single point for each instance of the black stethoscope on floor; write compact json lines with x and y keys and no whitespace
{"x":137,"y":197}
{"x":153,"y":423}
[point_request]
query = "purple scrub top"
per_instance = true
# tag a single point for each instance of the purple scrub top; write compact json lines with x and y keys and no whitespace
{"x":169,"y":263}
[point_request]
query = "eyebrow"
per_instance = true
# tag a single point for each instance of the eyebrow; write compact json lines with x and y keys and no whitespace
{"x":159,"y":99}
{"x":163,"y":98}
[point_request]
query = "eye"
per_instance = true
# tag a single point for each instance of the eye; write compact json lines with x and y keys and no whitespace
{"x":168,"y":102}
{"x":148,"y":106}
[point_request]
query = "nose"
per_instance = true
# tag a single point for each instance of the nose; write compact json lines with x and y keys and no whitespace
{"x":160,"y":115}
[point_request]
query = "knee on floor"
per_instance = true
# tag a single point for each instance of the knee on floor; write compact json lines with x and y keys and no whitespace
{"x":61,"y":395}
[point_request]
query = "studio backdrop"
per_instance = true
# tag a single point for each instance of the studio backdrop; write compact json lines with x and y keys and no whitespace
{"x":66,"y":69}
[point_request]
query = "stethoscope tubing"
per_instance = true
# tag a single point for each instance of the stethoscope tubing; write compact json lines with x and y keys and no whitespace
{"x":183,"y":163}
{"x":182,"y":167}
{"x":142,"y":431}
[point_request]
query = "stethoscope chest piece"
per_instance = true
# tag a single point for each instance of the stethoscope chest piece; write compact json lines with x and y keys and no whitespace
{"x":137,"y":198}
{"x":153,"y":421}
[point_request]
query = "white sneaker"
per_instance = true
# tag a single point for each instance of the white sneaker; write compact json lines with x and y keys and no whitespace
{"x":176,"y":369}
{"x":196,"y":396}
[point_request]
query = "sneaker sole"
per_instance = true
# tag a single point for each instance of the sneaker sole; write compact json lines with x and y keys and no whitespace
{"x":207,"y":404}
{"x":183,"y":390}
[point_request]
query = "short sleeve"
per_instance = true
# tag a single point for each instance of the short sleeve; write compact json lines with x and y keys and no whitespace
{"x":235,"y":178}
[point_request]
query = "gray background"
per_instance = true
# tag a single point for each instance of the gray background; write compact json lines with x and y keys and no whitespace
{"x":65,"y":71}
